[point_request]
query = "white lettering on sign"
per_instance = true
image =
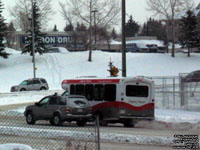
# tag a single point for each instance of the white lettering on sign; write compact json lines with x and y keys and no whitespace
{"x":60,"y":40}
{"x":51,"y":39}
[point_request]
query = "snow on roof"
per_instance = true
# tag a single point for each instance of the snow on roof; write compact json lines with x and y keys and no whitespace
{"x":141,"y":43}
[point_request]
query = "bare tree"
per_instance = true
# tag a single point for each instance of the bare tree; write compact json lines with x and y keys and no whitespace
{"x":98,"y":13}
{"x":170,"y":10}
{"x":107,"y":11}
{"x":21,"y":12}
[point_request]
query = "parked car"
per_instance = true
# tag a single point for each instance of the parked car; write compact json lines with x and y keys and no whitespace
{"x":58,"y":109}
{"x":132,"y":48}
{"x":192,"y":77}
{"x":52,"y":50}
{"x":31,"y":85}
{"x":153,"y":48}
{"x":56,"y":50}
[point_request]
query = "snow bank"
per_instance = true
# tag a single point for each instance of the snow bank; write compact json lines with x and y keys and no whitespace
{"x":12,"y":51}
{"x":177,"y":116}
{"x":13,"y":146}
{"x":106,"y":137}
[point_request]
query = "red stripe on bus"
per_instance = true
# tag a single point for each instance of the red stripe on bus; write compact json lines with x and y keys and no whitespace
{"x":122,"y":105}
{"x":91,"y":81}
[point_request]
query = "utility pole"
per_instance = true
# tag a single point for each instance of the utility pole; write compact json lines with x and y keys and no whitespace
{"x":95,"y":29}
{"x":33,"y":39}
{"x":90,"y":40}
{"x":123,"y":38}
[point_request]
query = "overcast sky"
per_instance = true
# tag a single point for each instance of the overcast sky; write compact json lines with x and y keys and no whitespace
{"x":136,"y":8}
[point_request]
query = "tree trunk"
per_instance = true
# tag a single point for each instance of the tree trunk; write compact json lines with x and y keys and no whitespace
{"x":167,"y":40}
{"x":173,"y":39}
{"x":189,"y":52}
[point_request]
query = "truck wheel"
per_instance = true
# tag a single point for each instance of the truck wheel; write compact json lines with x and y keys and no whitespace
{"x":23,"y":89}
{"x":129,"y":124}
{"x":30,"y":118}
{"x":57,"y":120}
{"x":81,"y":123}
{"x":42,"y":88}
{"x":51,"y":122}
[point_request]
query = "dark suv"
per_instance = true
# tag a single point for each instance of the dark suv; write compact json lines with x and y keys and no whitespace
{"x":58,"y":109}
{"x":31,"y":85}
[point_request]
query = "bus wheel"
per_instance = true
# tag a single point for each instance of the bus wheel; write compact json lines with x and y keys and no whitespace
{"x":129,"y":124}
{"x":102,"y":122}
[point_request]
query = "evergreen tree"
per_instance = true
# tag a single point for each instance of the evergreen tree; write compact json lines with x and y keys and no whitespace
{"x":55,"y":28}
{"x":38,"y":35}
{"x":189,"y":35}
{"x":10,"y":37}
{"x":154,"y":28}
{"x":69,"y":27}
{"x":114,"y":34}
{"x":131,"y":28}
{"x":3,"y":28}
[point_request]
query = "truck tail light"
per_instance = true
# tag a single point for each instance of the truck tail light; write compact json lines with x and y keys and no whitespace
{"x":67,"y":110}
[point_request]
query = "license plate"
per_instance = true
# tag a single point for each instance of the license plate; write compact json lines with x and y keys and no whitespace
{"x":122,"y":111}
{"x":80,"y":110}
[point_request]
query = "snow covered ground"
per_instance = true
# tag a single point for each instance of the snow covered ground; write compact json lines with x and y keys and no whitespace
{"x":55,"y":67}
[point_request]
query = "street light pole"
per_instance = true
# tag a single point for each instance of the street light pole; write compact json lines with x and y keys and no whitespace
{"x":123,"y":39}
{"x":33,"y":39}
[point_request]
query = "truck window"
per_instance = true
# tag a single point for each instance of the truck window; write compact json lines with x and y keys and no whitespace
{"x":137,"y":91}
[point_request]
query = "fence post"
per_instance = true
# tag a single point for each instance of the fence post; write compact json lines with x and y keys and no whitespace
{"x":98,"y":132}
{"x":174,"y":91}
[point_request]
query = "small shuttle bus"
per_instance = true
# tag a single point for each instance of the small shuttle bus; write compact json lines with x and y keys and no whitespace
{"x":116,"y":100}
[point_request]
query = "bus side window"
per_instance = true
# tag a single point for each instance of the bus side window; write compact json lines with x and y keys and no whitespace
{"x":80,"y":89}
{"x":99,"y":92}
{"x":110,"y":92}
{"x":72,"y":89}
{"x":89,"y":91}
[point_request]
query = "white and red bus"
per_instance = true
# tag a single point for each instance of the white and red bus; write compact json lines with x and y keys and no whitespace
{"x":116,"y":100}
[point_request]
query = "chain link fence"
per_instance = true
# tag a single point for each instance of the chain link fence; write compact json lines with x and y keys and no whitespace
{"x":43,"y":136}
{"x":172,"y":92}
